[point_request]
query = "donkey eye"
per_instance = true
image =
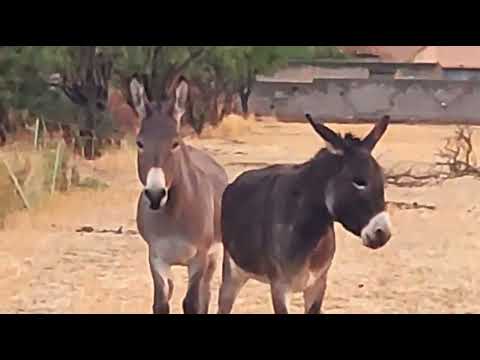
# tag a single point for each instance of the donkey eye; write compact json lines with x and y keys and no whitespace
{"x":359,"y":184}
{"x":175,"y":145}
{"x":140,"y":144}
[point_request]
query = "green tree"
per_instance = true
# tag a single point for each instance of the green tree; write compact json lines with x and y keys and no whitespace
{"x":30,"y":74}
{"x":23,"y":86}
{"x":82,"y":74}
{"x":235,"y":67}
{"x":84,"y":78}
{"x":331,"y":52}
{"x":156,"y":67}
{"x":216,"y":73}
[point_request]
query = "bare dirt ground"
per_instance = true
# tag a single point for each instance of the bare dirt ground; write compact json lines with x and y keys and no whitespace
{"x":430,"y":265}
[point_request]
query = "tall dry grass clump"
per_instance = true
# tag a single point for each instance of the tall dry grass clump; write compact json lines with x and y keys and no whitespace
{"x":104,"y":187}
{"x":231,"y":127}
{"x":28,"y":176}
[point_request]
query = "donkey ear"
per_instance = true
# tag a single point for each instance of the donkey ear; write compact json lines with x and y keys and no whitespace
{"x":139,"y":98}
{"x":334,"y":142}
{"x":376,"y":133}
{"x":181,"y":97}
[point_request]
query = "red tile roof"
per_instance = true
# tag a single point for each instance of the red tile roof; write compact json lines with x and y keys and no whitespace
{"x":450,"y":56}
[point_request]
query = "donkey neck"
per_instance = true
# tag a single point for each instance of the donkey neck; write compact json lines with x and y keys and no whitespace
{"x":308,"y":211}
{"x":318,"y":171}
{"x":313,"y":179}
{"x":182,"y":187}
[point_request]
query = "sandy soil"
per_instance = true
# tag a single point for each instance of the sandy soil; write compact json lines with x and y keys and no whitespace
{"x":430,"y":266}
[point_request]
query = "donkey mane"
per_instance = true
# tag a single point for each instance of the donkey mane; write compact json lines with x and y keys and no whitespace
{"x":350,"y":142}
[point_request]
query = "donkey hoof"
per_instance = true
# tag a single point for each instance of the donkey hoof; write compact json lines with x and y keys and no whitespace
{"x":161,"y":309}
{"x":190,"y":306}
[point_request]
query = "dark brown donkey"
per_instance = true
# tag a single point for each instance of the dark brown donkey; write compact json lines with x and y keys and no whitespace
{"x":277,"y":222}
{"x":179,"y":208}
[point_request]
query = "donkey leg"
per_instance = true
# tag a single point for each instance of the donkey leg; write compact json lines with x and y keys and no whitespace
{"x":313,"y":296}
{"x":279,"y":291}
{"x":207,"y":279}
{"x":233,"y":279}
{"x":193,"y":301}
{"x":162,"y":284}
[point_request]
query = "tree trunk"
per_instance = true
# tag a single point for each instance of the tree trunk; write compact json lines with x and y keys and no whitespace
{"x":228,"y":104}
{"x":88,"y":88}
{"x":88,"y":136}
{"x":161,"y":86}
{"x":217,"y":106}
{"x":3,"y":125}
{"x":246,"y":88}
{"x":244,"y":96}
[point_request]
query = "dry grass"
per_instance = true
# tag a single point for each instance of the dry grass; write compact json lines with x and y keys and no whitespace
{"x":231,"y":127}
{"x":430,"y":265}
{"x":34,"y":172}
{"x":61,"y":208}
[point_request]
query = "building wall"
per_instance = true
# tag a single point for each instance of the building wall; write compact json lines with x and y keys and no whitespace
{"x":307,"y":73}
{"x":299,"y":71}
{"x":461,"y":74}
{"x":369,"y":99}
{"x":414,"y":72}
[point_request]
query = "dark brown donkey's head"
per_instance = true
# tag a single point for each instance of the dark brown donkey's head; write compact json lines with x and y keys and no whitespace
{"x":355,"y":195}
{"x":160,"y":146}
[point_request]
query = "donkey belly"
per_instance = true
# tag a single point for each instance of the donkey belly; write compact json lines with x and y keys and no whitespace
{"x":172,"y":249}
{"x":247,"y":223}
{"x":241,"y":233}
{"x":316,"y":264}
{"x":260,"y":232}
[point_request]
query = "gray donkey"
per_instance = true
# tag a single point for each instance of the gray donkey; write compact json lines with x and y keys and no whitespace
{"x":179,"y":208}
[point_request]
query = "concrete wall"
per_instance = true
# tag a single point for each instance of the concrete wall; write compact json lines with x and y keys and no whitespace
{"x":304,"y":71}
{"x":368,"y":99}
{"x":423,"y":72}
{"x":461,"y":74}
{"x":307,"y":73}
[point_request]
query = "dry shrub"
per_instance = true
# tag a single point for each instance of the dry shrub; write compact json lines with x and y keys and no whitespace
{"x":231,"y":127}
{"x":30,"y":169}
{"x":456,"y":159}
{"x":34,"y":172}
{"x":103,"y":183}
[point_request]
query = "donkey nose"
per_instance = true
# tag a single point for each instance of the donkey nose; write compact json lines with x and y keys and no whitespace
{"x":155,"y":197}
{"x":382,"y":235}
{"x":377,"y":232}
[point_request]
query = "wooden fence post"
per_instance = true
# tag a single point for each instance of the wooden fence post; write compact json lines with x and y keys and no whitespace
{"x":56,"y":166}
{"x":37,"y":130}
{"x":17,"y":185}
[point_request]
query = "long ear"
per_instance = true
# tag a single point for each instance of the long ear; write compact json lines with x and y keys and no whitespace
{"x":139,"y":98}
{"x":334,"y":142}
{"x":376,"y":134}
{"x":181,"y":97}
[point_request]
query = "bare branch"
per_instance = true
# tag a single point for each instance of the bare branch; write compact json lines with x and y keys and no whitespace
{"x":456,"y":159}
{"x":157,"y":51}
{"x":408,"y":206}
{"x":176,"y":71}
